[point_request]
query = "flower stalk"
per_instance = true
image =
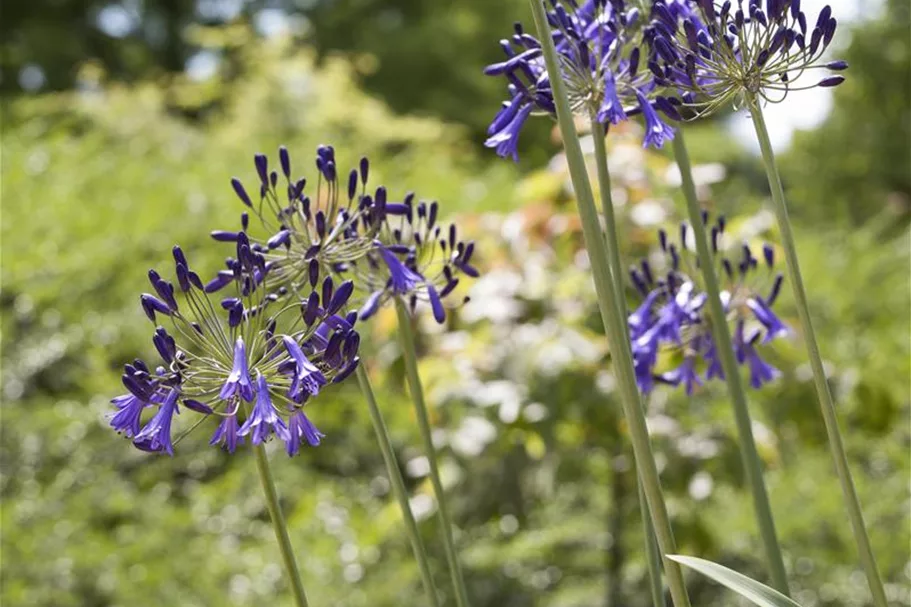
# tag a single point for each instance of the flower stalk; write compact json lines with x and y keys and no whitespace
{"x":726,"y":353}
{"x":407,"y":342}
{"x":398,"y":484}
{"x":826,"y":403}
{"x":281,"y":529}
{"x":607,"y":204}
{"x":611,"y":314}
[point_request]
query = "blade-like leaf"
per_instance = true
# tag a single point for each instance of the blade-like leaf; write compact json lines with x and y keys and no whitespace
{"x":759,"y":594}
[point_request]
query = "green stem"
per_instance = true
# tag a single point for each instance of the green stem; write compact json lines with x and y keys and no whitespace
{"x":819,"y":374}
{"x":611,"y":312}
{"x":653,"y":556}
{"x":406,"y":339}
{"x":613,"y":247}
{"x":725,"y":348}
{"x":398,"y":484}
{"x":278,"y":523}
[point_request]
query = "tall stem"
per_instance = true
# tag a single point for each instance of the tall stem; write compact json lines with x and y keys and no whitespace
{"x":406,"y":339}
{"x":652,"y":555}
{"x":826,"y":403}
{"x":398,"y":484}
{"x":278,"y":523}
{"x":611,"y":314}
{"x":725,"y":348}
{"x":616,"y":270}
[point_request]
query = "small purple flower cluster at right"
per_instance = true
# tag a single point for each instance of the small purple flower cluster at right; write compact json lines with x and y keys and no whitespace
{"x":672,"y":315}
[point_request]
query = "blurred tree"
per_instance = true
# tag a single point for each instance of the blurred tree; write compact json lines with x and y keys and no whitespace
{"x":859,"y":161}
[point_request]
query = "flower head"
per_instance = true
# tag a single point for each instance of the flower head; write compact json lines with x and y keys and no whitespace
{"x":414,"y":258}
{"x":719,"y":52}
{"x":598,"y":43}
{"x":229,"y":360}
{"x":672,"y":315}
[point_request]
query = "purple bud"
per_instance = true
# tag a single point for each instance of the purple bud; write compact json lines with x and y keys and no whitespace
{"x":221,"y":280}
{"x":311,"y":309}
{"x":837,"y":66}
{"x":240,"y":191}
{"x":340,"y":297}
{"x":313,"y":273}
{"x":365,"y":168}
{"x":327,"y":290}
{"x":352,"y":184}
{"x":285,"y":161}
{"x":831,"y":81}
{"x":262,"y":169}
{"x":151,"y":304}
{"x":224,"y":236}
{"x":195,"y":405}
{"x":439,"y":312}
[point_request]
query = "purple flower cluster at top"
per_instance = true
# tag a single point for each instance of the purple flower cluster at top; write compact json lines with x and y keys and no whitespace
{"x":718,"y":52}
{"x":673,"y":313}
{"x":389,"y":249}
{"x":229,"y":361}
{"x":598,"y":43}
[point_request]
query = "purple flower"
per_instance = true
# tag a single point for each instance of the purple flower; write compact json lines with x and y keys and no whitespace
{"x":656,"y":131}
{"x":714,"y":54}
{"x":238,"y":382}
{"x":673,"y":314}
{"x":156,"y":435}
{"x":129,"y":410}
{"x":598,"y":44}
{"x":263,"y":420}
{"x":300,"y":428}
{"x":227,"y":434}
{"x":402,"y":279}
{"x":307,"y":378}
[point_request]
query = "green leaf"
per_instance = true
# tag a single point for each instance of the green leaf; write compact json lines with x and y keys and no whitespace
{"x":759,"y":594}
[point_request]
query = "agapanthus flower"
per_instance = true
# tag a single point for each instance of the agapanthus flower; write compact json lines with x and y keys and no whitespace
{"x":673,"y":313}
{"x":724,"y":52}
{"x":389,"y":249}
{"x":598,"y":43}
{"x":413,"y":258}
{"x":307,"y":233}
{"x":248,"y":359}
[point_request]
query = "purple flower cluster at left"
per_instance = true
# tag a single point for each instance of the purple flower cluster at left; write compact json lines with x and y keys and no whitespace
{"x":247,"y":360}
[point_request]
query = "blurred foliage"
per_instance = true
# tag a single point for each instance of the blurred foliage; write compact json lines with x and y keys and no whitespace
{"x":859,"y":161}
{"x":100,"y":181}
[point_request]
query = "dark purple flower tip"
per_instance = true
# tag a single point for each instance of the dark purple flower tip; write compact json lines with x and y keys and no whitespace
{"x":467,"y":269}
{"x":156,"y":435}
{"x":327,"y":290}
{"x":165,"y":345}
{"x":263,"y":419}
{"x":238,"y":382}
{"x":151,"y":305}
{"x":285,"y":160}
{"x":183,"y":277}
{"x":439,"y":312}
{"x":340,"y":297}
{"x":768,"y":253}
{"x":365,"y":169}
{"x":283,"y":238}
{"x":831,"y":81}
{"x":195,"y":405}
{"x":126,"y":420}
{"x":225,"y":235}
{"x":371,"y":305}
{"x":352,"y":184}
{"x":837,"y":66}
{"x":241,"y":191}
{"x":347,"y":371}
{"x":310,"y":310}
{"x":300,"y":428}
{"x":262,"y":169}
{"x":179,"y":257}
{"x":227,"y":434}
{"x":221,"y":280}
{"x":313,"y":272}
{"x":396,"y":208}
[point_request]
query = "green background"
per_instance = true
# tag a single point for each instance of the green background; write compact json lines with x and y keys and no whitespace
{"x":120,"y":154}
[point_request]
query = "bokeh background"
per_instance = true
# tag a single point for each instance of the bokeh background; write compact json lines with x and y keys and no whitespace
{"x":122,"y":125}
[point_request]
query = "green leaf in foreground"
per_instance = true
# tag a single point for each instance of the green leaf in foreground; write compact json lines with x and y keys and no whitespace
{"x":759,"y":594}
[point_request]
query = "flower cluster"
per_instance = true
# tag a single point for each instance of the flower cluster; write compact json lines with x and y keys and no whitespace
{"x":598,"y":43}
{"x":673,"y":313}
{"x":236,"y":359}
{"x":389,"y":249}
{"x":307,"y":236}
{"x":721,"y":52}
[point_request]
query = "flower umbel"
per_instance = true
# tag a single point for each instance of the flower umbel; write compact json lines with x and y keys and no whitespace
{"x":598,"y":42}
{"x":672,"y":313}
{"x":723,"y":52}
{"x":227,"y":359}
